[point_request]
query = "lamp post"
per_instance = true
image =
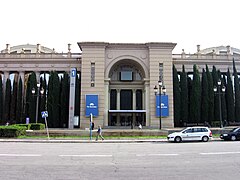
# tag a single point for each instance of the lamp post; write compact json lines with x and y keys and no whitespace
{"x":41,"y":93}
{"x":219,"y":92}
{"x":159,"y":91}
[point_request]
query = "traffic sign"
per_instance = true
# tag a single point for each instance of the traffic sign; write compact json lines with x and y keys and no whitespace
{"x":44,"y":114}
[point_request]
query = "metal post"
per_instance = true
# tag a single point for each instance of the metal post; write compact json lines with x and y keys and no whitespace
{"x":160,"y":107}
{"x":47,"y":127}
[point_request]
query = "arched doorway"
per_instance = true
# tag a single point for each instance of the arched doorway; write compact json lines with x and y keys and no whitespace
{"x":127,"y":92}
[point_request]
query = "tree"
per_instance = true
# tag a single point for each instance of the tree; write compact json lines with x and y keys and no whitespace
{"x":54,"y":100}
{"x":205,"y":98}
{"x":184,"y":95}
{"x":77,"y":96}
{"x":230,"y":98}
{"x":30,"y":98}
{"x":237,"y":93}
{"x":13,"y":102}
{"x":176,"y":97}
{"x":42,"y":98}
{"x":19,"y":102}
{"x":1,"y":100}
{"x":64,"y":100}
{"x":210,"y":96}
{"x":195,"y":99}
{"x":7,"y":101}
{"x":216,"y":78}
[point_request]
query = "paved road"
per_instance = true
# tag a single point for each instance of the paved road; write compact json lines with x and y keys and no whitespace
{"x":159,"y":160}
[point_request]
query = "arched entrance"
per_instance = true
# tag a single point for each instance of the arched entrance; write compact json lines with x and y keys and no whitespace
{"x":127,"y":92}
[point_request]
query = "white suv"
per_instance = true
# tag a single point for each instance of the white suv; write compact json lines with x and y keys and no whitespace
{"x":191,"y":134}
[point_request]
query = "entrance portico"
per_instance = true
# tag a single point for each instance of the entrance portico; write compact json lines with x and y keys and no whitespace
{"x":123,"y":76}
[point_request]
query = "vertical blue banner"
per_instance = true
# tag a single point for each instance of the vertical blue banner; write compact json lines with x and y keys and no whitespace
{"x":91,"y":104}
{"x":164,"y":106}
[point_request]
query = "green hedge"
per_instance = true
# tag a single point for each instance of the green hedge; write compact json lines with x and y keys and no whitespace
{"x":24,"y":125}
{"x":12,"y":131}
{"x":37,"y":126}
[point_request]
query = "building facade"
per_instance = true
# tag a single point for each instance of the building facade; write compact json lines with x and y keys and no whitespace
{"x":122,"y":75}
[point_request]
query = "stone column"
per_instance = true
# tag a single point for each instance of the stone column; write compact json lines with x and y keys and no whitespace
{"x":37,"y":76}
{"x":147,"y":103}
{"x":106,"y":103}
{"x":5,"y":77}
{"x":118,"y":107}
{"x":21,"y":74}
{"x":134,"y":106}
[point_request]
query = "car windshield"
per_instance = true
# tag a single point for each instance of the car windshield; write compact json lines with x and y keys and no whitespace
{"x":234,"y":130}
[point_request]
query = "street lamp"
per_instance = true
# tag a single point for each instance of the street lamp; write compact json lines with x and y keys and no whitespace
{"x":219,"y":92}
{"x":159,"y":91}
{"x":41,"y":93}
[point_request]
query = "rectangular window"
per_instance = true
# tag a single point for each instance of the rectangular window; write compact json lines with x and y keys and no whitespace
{"x":161,"y":72}
{"x":92,"y":74}
{"x":126,"y":75}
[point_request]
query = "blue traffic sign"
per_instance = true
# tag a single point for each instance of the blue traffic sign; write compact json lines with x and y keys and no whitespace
{"x":44,"y":114}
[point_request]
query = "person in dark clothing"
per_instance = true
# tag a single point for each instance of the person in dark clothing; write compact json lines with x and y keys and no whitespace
{"x":99,"y":133}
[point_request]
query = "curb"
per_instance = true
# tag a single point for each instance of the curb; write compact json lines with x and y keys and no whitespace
{"x":88,"y":141}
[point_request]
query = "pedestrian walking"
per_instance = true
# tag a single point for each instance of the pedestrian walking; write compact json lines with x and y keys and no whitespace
{"x":99,"y":133}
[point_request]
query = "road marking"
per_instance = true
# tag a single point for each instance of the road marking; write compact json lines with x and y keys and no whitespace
{"x":219,"y":153}
{"x":21,"y":155}
{"x":86,"y":155}
{"x":157,"y":154}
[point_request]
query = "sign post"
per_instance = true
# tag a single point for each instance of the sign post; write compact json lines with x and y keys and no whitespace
{"x":91,"y":119}
{"x":45,"y":115}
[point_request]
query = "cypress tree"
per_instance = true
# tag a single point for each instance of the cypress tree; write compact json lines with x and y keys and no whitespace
{"x":50,"y":100}
{"x":13,"y":102}
{"x":210,"y":96}
{"x":176,"y":97}
{"x":30,"y":98}
{"x":230,"y":98}
{"x":205,"y":98}
{"x":42,"y":99}
{"x":190,"y":84}
{"x":77,"y":97}
{"x":195,"y":99}
{"x":237,"y":93}
{"x":223,"y":101}
{"x":19,"y":102}
{"x":216,"y":78}
{"x":54,"y":98}
{"x":64,"y":101}
{"x":7,"y":101}
{"x":184,"y":95}
{"x":1,"y":100}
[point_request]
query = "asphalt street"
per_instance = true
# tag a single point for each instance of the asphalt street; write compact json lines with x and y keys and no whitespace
{"x":148,"y":160}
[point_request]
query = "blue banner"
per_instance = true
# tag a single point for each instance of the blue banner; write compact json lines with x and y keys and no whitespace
{"x":91,"y":104}
{"x":164,"y":106}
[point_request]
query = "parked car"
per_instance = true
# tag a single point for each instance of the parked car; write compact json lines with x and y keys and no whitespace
{"x":233,"y":135}
{"x":191,"y":134}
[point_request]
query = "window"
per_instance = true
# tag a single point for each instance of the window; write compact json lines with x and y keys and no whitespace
{"x":126,"y":76}
{"x":161,"y":72}
{"x":92,"y":74}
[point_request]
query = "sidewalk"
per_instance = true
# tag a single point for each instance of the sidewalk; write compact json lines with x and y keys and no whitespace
{"x":159,"y":140}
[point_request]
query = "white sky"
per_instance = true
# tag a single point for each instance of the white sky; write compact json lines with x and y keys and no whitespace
{"x":55,"y":23}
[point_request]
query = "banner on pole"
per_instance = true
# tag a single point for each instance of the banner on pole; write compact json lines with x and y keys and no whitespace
{"x":164,"y":106}
{"x":91,"y":104}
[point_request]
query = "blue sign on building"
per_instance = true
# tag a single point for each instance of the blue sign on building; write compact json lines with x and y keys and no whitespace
{"x":164,"y":106}
{"x":91,"y":104}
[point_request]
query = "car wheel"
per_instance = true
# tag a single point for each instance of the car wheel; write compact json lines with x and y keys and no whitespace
{"x":233,"y":138}
{"x":205,"y":139}
{"x":178,"y":139}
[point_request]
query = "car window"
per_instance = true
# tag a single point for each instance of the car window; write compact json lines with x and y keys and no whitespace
{"x":188,"y":131}
{"x":204,"y":130}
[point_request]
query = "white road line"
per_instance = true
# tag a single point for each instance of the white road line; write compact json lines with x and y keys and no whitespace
{"x":86,"y":155}
{"x":219,"y":153}
{"x":21,"y":155}
{"x":157,"y":154}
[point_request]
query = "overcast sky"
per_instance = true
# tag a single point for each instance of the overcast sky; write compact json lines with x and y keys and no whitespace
{"x":55,"y":23}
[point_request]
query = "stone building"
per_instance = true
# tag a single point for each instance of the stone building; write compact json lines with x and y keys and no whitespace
{"x":122,"y":75}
